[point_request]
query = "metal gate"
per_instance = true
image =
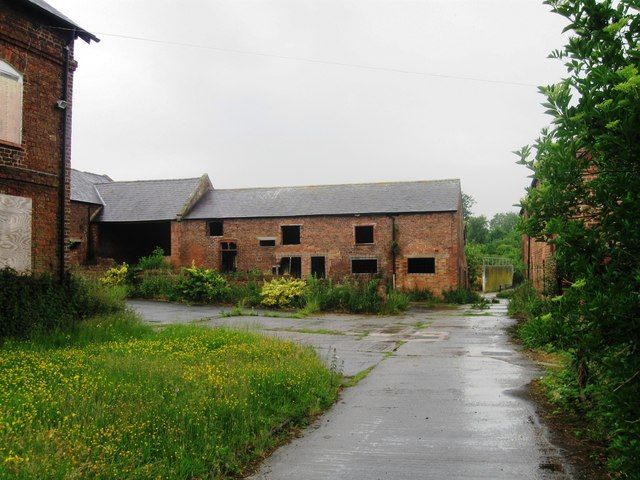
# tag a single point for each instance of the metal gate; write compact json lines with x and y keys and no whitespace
{"x":497,"y":274}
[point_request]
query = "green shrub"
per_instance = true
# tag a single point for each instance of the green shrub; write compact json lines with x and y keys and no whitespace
{"x":461,"y":296}
{"x":350,"y":295}
{"x":31,"y":303}
{"x":155,"y":261}
{"x":90,"y":298}
{"x":202,"y":285}
{"x":246,"y":292}
{"x":525,"y":302}
{"x":283,"y":292}
{"x":421,"y":295}
{"x":504,"y":294}
{"x":396,"y":302}
{"x":158,"y":284}
{"x":358,"y":297}
{"x":118,"y":275}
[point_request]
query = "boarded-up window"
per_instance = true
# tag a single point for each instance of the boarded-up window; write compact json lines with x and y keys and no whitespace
{"x":364,"y":265}
{"x":15,"y":232}
{"x":421,"y":265}
{"x":10,"y":104}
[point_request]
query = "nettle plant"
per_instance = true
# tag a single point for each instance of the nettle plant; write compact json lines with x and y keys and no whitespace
{"x":586,"y":203}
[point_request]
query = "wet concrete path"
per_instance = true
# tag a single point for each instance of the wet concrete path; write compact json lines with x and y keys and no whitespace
{"x":445,"y":400}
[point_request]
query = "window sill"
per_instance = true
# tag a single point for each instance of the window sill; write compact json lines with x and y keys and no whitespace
{"x":13,"y":146}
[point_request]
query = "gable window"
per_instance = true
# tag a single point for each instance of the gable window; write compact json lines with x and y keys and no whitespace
{"x":216,"y":228}
{"x":364,"y":265}
{"x":290,"y":234}
{"x":267,"y":242}
{"x":364,"y":234}
{"x":421,"y":265}
{"x":10,"y":104}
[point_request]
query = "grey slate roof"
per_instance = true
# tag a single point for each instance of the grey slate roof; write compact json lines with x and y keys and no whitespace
{"x":45,"y":8}
{"x":145,"y":200}
{"x":83,"y":186}
{"x":364,"y":198}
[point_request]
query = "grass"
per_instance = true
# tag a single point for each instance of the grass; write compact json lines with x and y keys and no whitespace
{"x":362,"y":374}
{"x":116,"y":399}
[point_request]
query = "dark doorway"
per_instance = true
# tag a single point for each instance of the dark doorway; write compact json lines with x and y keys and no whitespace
{"x":127,"y":242}
{"x":318,"y":267}
{"x":291,"y":266}
{"x":228,"y":256}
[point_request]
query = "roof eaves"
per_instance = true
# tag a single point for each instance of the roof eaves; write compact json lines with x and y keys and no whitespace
{"x":44,"y":8}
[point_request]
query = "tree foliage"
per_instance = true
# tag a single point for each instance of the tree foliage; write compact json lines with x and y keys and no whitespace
{"x":586,"y":203}
{"x":496,"y":237}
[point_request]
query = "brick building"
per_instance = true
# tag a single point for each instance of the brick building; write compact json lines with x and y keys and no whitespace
{"x":36,"y":85}
{"x":410,"y":231}
{"x":537,"y":256}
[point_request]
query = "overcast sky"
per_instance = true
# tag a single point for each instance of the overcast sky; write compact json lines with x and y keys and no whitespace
{"x":153,"y":110}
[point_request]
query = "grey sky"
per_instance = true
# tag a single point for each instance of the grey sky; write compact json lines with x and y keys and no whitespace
{"x":148,"y":110}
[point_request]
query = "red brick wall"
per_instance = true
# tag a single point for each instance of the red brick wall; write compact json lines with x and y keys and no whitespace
{"x":80,"y":230}
{"x":437,"y":235}
{"x":537,"y":257}
{"x":333,"y":237}
{"x":32,"y":169}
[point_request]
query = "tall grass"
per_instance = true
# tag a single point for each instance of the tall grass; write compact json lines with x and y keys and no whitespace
{"x":115,"y":399}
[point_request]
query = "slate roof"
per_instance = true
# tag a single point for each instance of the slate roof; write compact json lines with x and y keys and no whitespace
{"x":83,"y":186}
{"x":364,"y":198}
{"x":145,"y":200}
{"x":43,"y":7}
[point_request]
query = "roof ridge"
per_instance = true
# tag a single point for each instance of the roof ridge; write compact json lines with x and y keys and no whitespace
{"x":341,"y":184}
{"x":114,"y":182}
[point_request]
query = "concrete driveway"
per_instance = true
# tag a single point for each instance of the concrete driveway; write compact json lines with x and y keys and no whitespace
{"x":445,"y":399}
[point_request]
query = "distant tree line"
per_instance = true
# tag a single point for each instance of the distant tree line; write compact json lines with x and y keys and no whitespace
{"x":496,"y":237}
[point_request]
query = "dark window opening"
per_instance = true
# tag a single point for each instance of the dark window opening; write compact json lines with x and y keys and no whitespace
{"x":291,"y":266}
{"x":364,"y":265}
{"x":228,"y":256}
{"x":216,"y":228}
{"x":421,"y":265}
{"x":267,"y":242}
{"x":228,"y":260}
{"x":290,"y":234}
{"x":364,"y":234}
{"x":318,"y":267}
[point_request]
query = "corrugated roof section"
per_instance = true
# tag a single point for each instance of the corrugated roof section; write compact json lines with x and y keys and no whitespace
{"x":365,"y":198}
{"x":146,"y":200}
{"x":83,"y":186}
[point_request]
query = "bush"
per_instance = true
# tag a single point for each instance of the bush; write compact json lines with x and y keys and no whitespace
{"x":461,"y":296}
{"x":202,"y":285}
{"x":396,"y":302}
{"x":158,"y":284}
{"x":424,"y":295}
{"x":119,"y":275}
{"x":246,"y":292}
{"x":350,"y":296}
{"x":525,"y":302}
{"x":283,"y":292}
{"x":31,"y":303}
{"x":90,"y":298}
{"x":155,"y":261}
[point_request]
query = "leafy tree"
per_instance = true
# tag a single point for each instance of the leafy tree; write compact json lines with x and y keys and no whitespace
{"x":477,"y":229}
{"x":467,"y":204}
{"x":586,"y":203}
